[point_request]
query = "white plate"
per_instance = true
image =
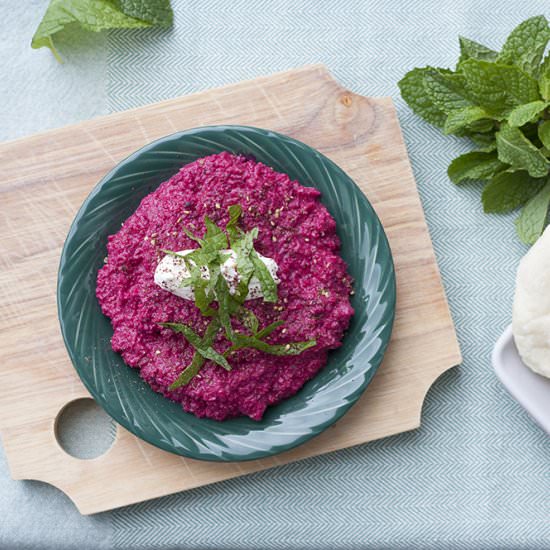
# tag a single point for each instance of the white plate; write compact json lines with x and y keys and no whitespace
{"x":531,"y":390}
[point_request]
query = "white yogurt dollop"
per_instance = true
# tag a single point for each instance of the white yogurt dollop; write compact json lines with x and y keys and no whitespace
{"x":172,"y":271}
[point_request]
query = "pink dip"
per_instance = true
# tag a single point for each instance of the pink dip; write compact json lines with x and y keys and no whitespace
{"x":295,"y":229}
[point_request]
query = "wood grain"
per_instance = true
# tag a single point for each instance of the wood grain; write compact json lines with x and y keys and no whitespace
{"x":45,"y":178}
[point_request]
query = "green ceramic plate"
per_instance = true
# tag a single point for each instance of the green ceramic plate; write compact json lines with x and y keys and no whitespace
{"x":119,"y":389}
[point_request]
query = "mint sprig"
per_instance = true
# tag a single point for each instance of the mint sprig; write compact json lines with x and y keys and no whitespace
{"x":217,"y":301}
{"x":501,"y":101}
{"x":470,"y":49}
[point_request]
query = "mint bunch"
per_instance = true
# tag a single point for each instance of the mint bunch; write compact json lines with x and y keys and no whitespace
{"x":99,"y":15}
{"x":501,"y":101}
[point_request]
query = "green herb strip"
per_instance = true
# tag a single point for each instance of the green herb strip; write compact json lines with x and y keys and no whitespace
{"x":198,"y":360}
{"x":269,"y":287}
{"x":295,"y":348}
{"x":266,"y":331}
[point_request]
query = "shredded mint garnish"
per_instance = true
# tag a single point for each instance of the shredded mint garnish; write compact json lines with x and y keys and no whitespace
{"x":211,"y":290}
{"x":501,"y":101}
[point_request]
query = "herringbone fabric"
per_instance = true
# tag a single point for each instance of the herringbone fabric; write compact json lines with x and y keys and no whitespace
{"x":477,"y":473}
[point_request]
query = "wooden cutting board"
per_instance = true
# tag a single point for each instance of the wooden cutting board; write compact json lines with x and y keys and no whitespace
{"x":45,"y":178}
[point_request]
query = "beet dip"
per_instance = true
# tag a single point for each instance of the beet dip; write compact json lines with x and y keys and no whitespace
{"x":295,"y":229}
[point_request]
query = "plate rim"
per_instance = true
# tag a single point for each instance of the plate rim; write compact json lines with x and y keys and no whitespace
{"x":499,"y":366}
{"x":391,"y":297}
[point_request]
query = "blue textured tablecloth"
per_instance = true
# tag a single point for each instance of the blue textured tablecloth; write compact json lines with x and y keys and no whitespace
{"x":477,"y":473}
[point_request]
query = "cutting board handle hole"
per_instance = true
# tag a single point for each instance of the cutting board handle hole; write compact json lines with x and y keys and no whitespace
{"x":84,"y":430}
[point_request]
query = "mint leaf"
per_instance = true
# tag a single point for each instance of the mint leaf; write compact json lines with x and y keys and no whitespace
{"x":544,"y":133}
{"x":226,"y":307}
{"x":464,"y":118}
{"x":544,"y":80}
{"x":156,"y":12}
{"x":243,"y":246}
{"x":532,"y":220}
{"x":232,"y":228}
{"x":214,"y":238}
{"x":482,"y":126}
{"x":469,"y":49}
{"x":528,"y":112}
{"x":446,"y":90}
{"x":96,"y":15}
{"x":498,"y":88}
{"x":526,"y":44}
{"x":485,"y":142}
{"x":475,"y":165}
{"x":268,"y":285}
{"x":515,"y":149}
{"x":414,"y":93}
{"x":509,"y":190}
{"x":191,"y":235}
{"x":235,"y":211}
